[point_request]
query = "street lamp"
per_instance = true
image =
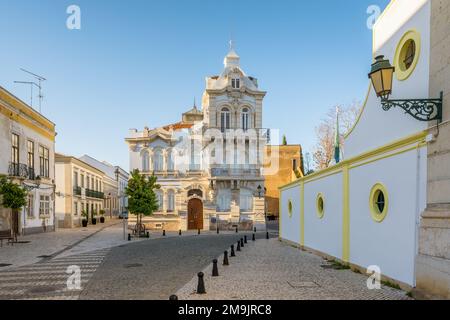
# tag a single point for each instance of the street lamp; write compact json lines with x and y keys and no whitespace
{"x":37,"y":184}
{"x":260,"y":191}
{"x":381,"y":75}
{"x":119,"y":197}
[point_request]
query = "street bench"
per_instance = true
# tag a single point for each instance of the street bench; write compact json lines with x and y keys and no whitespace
{"x":140,"y":230}
{"x":6,"y":235}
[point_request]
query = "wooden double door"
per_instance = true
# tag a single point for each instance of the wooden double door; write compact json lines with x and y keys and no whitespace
{"x":195,"y":214}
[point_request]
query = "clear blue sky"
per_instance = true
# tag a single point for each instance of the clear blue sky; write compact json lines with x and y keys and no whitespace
{"x":140,"y":63}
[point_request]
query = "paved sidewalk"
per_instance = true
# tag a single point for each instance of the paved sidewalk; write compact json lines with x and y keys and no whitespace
{"x":37,"y":247}
{"x":269,"y":269}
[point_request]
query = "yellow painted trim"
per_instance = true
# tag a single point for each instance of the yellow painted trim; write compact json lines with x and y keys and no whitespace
{"x":360,"y":112}
{"x":395,"y":145}
{"x":378,"y":216}
{"x":320,"y":212}
{"x":419,"y":145}
{"x":414,"y":35}
{"x":280,"y":215}
{"x":346,"y":216}
{"x":302,"y":213}
{"x":388,"y":7}
{"x":15,"y":102}
{"x":14,"y":116}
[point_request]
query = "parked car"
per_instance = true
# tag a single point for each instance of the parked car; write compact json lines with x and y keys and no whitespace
{"x":123,"y":215}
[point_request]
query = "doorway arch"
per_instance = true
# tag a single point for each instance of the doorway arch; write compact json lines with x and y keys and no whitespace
{"x":195,"y":214}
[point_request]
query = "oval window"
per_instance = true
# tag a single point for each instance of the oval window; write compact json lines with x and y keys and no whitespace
{"x":290,"y":208}
{"x":407,"y":55}
{"x":379,"y":202}
{"x":320,"y":206}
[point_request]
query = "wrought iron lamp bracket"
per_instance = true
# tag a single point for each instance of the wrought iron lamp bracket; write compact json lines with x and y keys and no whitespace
{"x":420,"y":109}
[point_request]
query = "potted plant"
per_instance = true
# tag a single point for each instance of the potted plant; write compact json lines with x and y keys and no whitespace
{"x":94,"y":219}
{"x":84,"y":221}
{"x":102,"y":216}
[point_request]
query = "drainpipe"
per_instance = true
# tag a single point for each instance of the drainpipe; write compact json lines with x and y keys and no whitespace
{"x":418,"y":213}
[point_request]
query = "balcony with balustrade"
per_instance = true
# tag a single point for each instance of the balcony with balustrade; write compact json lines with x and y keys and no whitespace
{"x":21,"y":171}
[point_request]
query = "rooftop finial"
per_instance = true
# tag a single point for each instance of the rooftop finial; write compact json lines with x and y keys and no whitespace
{"x":231,"y":45}
{"x":195,"y":103}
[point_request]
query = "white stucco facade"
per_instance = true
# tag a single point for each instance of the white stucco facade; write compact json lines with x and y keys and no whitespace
{"x":385,"y":153}
{"x":214,"y":154}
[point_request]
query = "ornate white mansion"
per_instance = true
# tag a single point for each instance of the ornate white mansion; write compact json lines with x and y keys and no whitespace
{"x":209,"y":164}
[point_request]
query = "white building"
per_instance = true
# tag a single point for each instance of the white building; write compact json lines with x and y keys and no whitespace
{"x":79,"y":188}
{"x":115,"y":181}
{"x":209,"y":164}
{"x":27,"y":144}
{"x":366,"y":210}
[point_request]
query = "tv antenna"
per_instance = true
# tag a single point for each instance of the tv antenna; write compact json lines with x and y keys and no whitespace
{"x":39,"y":79}
{"x":31,"y":84}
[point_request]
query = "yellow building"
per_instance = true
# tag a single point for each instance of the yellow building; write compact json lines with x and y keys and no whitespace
{"x":27,"y":142}
{"x":288,"y":159}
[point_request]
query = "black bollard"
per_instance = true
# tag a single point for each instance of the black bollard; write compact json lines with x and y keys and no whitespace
{"x":173,"y":297}
{"x":253,"y":237}
{"x":245,"y":239}
{"x":267,"y":235}
{"x":215,"y":270}
{"x":237,"y":230}
{"x":164,"y":233}
{"x":198,"y":231}
{"x":201,"y":284}
{"x":232,"y":254}
{"x":242,"y":243}
{"x":148,"y":235}
{"x":129,"y":237}
{"x":179,"y":233}
{"x":254,"y":229}
{"x":217,"y":230}
{"x":238,"y":248}
{"x":225,"y":259}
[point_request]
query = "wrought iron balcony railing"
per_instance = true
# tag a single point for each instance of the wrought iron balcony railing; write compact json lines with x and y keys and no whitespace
{"x":20,"y":170}
{"x":235,"y":172}
{"x":94,"y":194}
{"x":77,"y":191}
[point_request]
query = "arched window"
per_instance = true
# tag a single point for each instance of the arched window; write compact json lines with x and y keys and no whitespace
{"x":225,"y":118}
{"x":158,"y":161}
{"x":170,"y":161}
{"x":245,"y":119}
{"x":145,"y":161}
{"x":170,"y":201}
{"x":160,"y":197}
{"x":246,"y":200}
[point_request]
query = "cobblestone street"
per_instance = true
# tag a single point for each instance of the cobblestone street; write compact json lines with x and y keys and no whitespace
{"x":160,"y":266}
{"x":269,"y":269}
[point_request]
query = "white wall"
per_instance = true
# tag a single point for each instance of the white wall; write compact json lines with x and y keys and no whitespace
{"x":290,"y":226}
{"x":324,"y":234}
{"x":377,"y":127}
{"x":391,"y":244}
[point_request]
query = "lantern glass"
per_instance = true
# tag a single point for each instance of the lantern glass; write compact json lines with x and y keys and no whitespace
{"x":381,"y":75}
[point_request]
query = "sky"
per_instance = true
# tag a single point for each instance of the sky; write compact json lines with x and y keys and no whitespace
{"x":140,"y":63}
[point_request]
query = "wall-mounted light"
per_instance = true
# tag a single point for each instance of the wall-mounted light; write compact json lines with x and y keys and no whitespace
{"x":381,"y":76}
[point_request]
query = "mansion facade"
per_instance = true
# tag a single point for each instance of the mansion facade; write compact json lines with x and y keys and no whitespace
{"x":209,"y":165}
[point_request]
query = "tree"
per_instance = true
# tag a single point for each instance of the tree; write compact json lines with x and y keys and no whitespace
{"x":12,"y":196}
{"x":284,"y":140}
{"x":325,"y":132}
{"x":142,"y":200}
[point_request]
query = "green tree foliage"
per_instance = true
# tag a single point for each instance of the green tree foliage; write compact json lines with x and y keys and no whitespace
{"x":284,"y":140}
{"x":12,"y":196}
{"x":142,"y":199}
